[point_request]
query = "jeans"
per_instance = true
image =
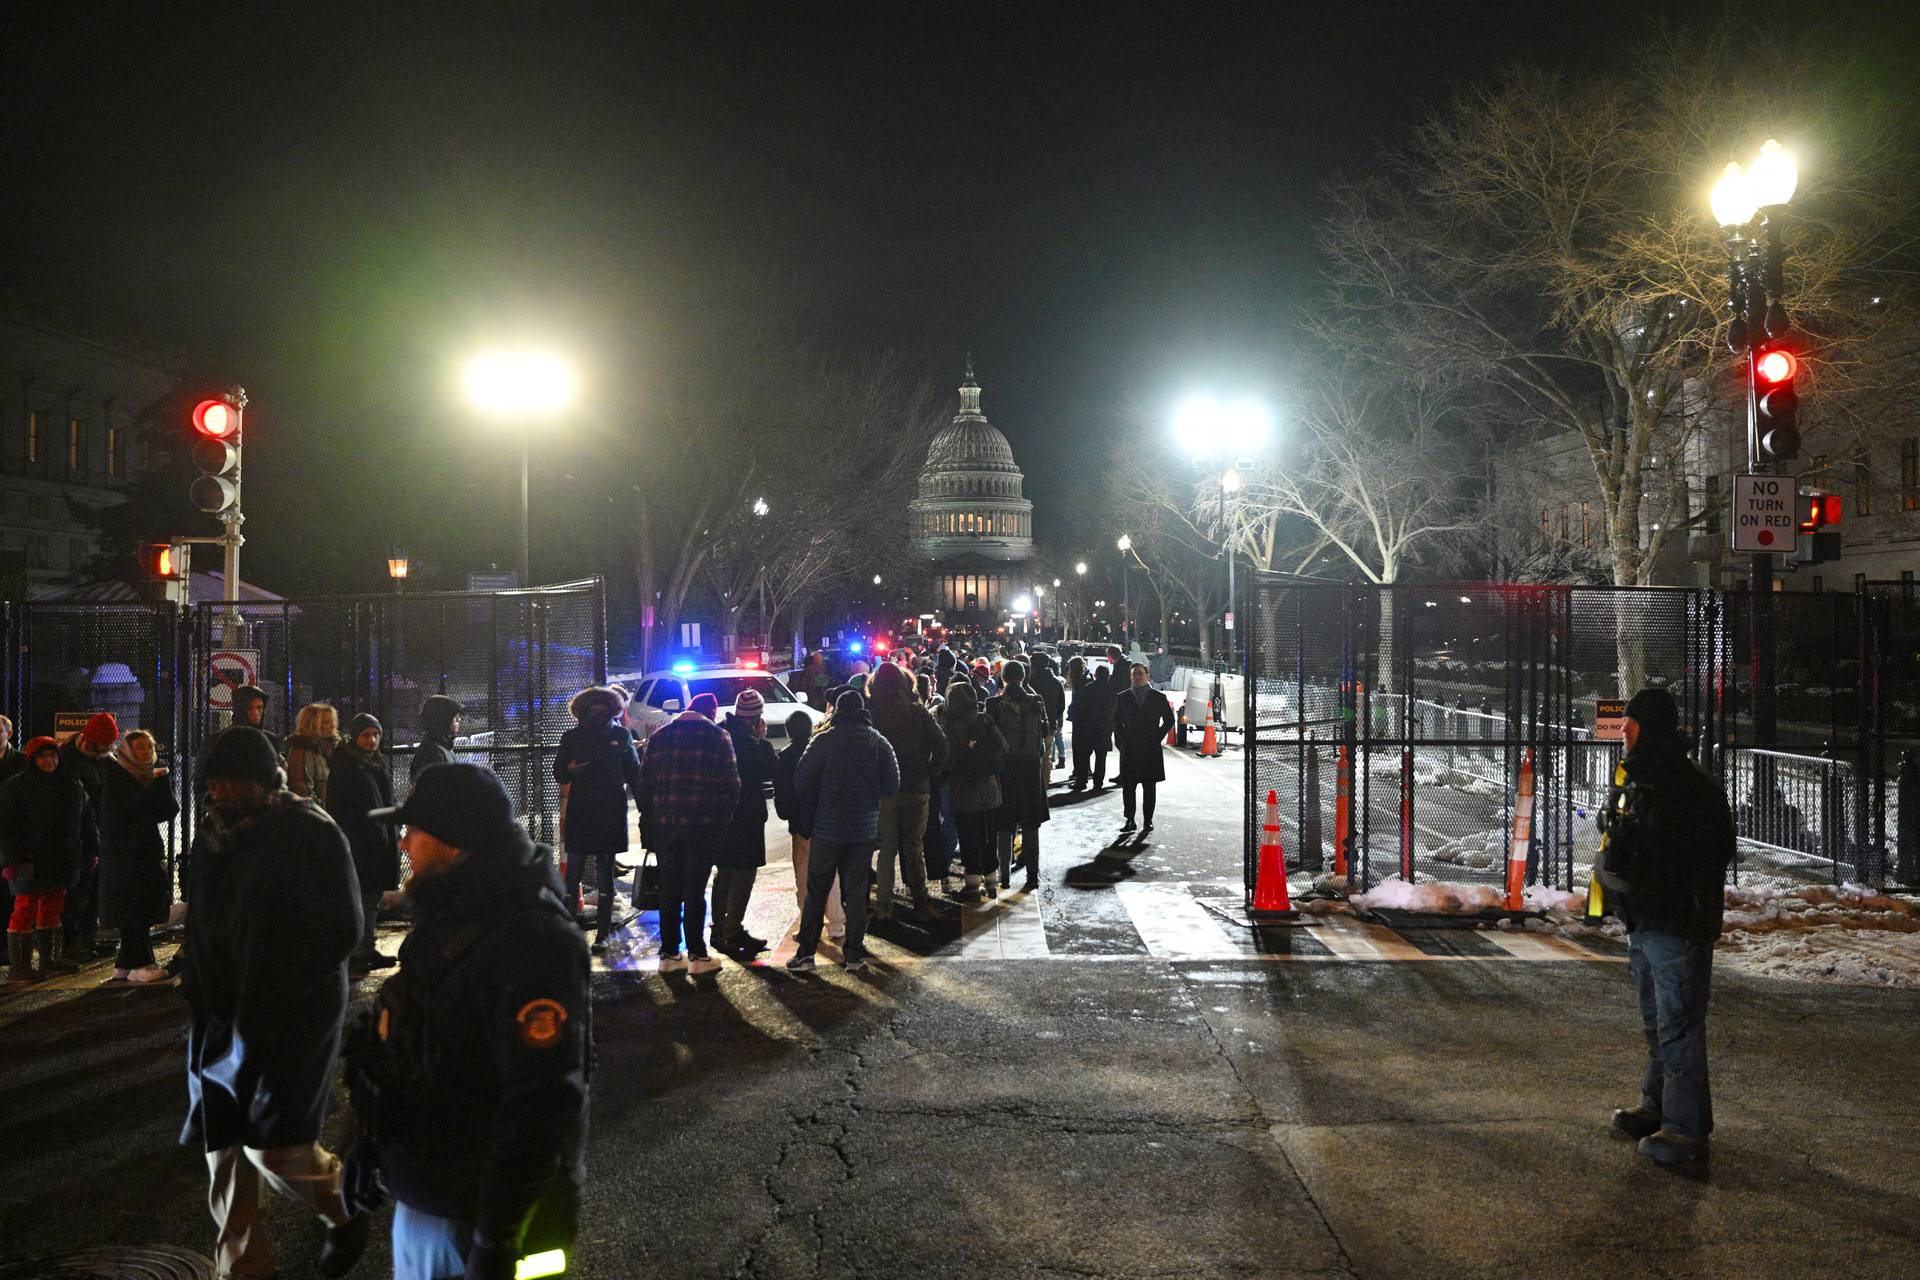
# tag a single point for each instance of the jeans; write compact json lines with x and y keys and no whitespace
{"x":825,"y":860}
{"x":1059,"y":745}
{"x":941,"y":839}
{"x":1672,"y":976}
{"x":903,"y":824}
{"x":426,"y":1247}
{"x":307,"y":1174}
{"x":683,"y":894}
{"x":1126,"y":800}
{"x":602,"y":885}
{"x":732,"y":890}
{"x":1029,"y":853}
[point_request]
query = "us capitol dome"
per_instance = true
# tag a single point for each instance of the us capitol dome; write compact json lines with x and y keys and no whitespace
{"x":970,"y":521}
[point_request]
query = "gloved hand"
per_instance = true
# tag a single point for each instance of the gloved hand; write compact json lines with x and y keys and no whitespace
{"x":490,"y":1262}
{"x":17,"y":871}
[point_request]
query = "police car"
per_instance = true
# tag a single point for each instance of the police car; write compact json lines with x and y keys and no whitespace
{"x":659,"y":696}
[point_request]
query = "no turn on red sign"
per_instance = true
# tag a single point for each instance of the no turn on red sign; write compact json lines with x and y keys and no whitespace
{"x":1765,"y":513}
{"x":227,"y":670}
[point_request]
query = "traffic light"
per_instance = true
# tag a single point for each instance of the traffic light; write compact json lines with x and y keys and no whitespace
{"x":1778,"y":406}
{"x":1820,"y":540}
{"x":1818,"y":510}
{"x":163,"y":561}
{"x":217,"y":453}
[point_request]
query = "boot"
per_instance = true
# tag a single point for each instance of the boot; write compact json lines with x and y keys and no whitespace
{"x":47,"y":943}
{"x":1673,"y":1151}
{"x":1635,"y":1122}
{"x":1006,"y":865}
{"x":1033,"y":872}
{"x":20,"y":956}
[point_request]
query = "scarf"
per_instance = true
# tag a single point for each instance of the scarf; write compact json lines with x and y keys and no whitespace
{"x":371,"y":759}
{"x":223,"y":828}
{"x":123,"y":756}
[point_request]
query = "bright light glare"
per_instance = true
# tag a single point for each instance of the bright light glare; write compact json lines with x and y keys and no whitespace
{"x":760,"y":506}
{"x":1079,"y":566}
{"x":1732,"y":200}
{"x":535,"y":1266}
{"x":853,"y":646}
{"x":681,"y":668}
{"x":1231,"y":482}
{"x":1206,"y":427}
{"x":1023,"y":604}
{"x":519,"y":383}
{"x":1775,"y":366}
{"x":1774,"y":175}
{"x":1126,"y":542}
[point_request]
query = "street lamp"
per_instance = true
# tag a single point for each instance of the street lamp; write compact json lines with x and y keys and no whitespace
{"x":1207,"y":427}
{"x":397,"y":568}
{"x":1126,"y":611}
{"x":760,"y":509}
{"x":526,"y":386}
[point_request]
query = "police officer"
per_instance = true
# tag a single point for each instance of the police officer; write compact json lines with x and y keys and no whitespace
{"x":470,"y":1080}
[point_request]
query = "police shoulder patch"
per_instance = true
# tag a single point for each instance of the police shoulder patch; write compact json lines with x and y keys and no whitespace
{"x":541,"y":1022}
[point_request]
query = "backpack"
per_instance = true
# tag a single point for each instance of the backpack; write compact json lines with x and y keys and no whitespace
{"x":980,"y":757}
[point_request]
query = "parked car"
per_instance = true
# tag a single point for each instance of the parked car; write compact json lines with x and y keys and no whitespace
{"x":659,"y":696}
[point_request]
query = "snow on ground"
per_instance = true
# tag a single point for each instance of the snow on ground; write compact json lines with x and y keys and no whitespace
{"x":1776,"y":926}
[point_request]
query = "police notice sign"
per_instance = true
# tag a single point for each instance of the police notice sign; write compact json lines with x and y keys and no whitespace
{"x":1765,"y":517}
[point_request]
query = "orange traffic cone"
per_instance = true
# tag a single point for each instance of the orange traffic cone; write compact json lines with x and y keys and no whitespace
{"x":1522,"y":834}
{"x":1173,"y":732}
{"x":1342,"y":812}
{"x":1270,"y":878}
{"x":1210,"y":739}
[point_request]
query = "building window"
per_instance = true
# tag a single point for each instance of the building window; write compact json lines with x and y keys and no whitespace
{"x":1859,"y":582}
{"x":76,"y":553}
{"x":1862,"y":489}
{"x":36,"y":548}
{"x":1910,"y":474}
{"x":116,"y":451}
{"x":76,"y":454}
{"x":36,"y":446}
{"x":1817,"y":584}
{"x":1711,"y":499}
{"x":1546,"y":523}
{"x":1586,"y":524}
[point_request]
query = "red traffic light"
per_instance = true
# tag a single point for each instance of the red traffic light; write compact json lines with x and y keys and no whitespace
{"x":158,"y":560}
{"x":216,"y":419}
{"x":1819,"y":511}
{"x":1776,"y":366}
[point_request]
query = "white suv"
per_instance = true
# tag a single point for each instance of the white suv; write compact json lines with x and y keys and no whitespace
{"x":659,"y":696}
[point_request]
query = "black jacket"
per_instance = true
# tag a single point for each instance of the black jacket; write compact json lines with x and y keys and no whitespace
{"x":436,"y":734}
{"x":1044,"y":682}
{"x":1669,"y":841}
{"x":355,"y":788}
{"x":786,"y":801}
{"x":599,"y":767}
{"x":744,"y":843}
{"x":276,"y":913}
{"x":1092,"y":710}
{"x":1142,"y":718}
{"x":42,"y":818}
{"x":487,"y":1045}
{"x":135,"y":888}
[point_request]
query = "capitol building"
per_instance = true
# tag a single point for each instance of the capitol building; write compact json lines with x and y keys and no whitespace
{"x":970,"y":522}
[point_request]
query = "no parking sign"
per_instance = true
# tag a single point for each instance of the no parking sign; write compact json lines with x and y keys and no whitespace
{"x":227,"y":670}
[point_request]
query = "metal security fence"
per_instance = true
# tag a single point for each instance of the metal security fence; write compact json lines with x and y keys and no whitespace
{"x":513,"y":659}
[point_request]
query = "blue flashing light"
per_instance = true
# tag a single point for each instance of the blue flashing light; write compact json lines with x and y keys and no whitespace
{"x":853,"y":646}
{"x":682,"y":667}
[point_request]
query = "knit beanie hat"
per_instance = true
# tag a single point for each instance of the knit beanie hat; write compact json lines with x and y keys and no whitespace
{"x":706,"y":704}
{"x":749,"y":705}
{"x":101,"y":730}
{"x":360,"y":724}
{"x":39,"y":744}
{"x":1656,"y":712}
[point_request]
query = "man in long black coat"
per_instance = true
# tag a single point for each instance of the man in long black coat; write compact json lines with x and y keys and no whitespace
{"x":597,"y":768}
{"x":1142,"y":719}
{"x":276,"y":913}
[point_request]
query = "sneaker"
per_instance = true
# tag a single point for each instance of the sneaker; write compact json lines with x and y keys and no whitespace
{"x":702,"y":964}
{"x":744,"y":941}
{"x":1672,"y":1150}
{"x":148,"y":974}
{"x":596,"y":948}
{"x":671,"y":963}
{"x":854,"y":962}
{"x":1635,"y":1123}
{"x":1127,"y":825}
{"x":801,"y":962}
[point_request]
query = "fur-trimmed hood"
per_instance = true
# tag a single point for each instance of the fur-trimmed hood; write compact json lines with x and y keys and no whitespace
{"x":577,"y":705}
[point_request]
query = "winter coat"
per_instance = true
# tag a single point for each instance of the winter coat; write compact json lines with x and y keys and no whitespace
{"x":12,"y":765}
{"x":436,"y":734}
{"x":1092,"y":709}
{"x":599,"y":766}
{"x":356,"y":787}
{"x":847,"y":769}
{"x":1142,"y":718}
{"x":745,"y":843}
{"x":276,"y":913}
{"x":309,"y":765}
{"x":1669,"y":842}
{"x":786,"y":801}
{"x":1052,"y":693}
{"x":136,"y":887}
{"x":41,"y":817}
{"x":1022,"y":720}
{"x":909,"y":728}
{"x":962,"y":724}
{"x":489,"y":1027}
{"x":689,"y":781}
{"x":87,"y":771}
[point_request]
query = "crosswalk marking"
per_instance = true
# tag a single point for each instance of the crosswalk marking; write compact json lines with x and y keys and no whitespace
{"x":1174,"y":925}
{"x":1351,"y":939}
{"x":1008,"y":928}
{"x":1537,"y":946}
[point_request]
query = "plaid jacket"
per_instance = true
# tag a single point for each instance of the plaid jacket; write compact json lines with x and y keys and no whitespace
{"x":688,"y":778}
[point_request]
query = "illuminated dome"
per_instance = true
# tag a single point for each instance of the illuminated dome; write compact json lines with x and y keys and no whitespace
{"x":970,"y":519}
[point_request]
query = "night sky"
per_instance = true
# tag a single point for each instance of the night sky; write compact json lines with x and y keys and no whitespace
{"x":1104,"y":202}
